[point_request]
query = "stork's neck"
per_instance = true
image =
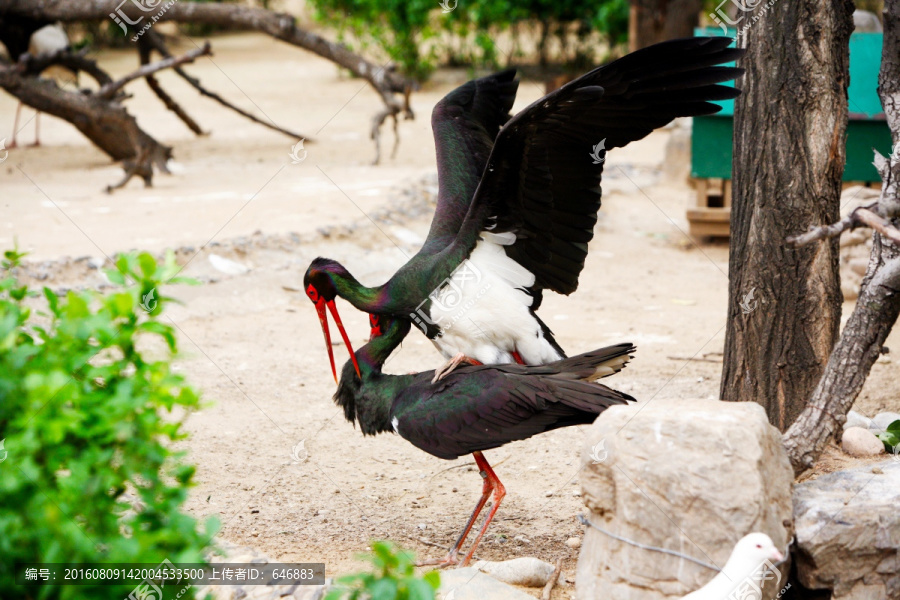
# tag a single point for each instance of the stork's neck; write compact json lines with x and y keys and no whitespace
{"x":364,"y":298}
{"x":373,"y":355}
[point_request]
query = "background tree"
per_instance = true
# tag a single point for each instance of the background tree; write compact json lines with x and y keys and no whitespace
{"x":653,"y":21}
{"x":789,"y":151}
{"x":878,"y":305}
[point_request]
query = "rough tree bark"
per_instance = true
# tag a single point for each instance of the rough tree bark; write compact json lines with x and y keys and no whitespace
{"x":790,"y":122}
{"x":652,"y":21}
{"x":391,"y":86}
{"x":878,"y":305}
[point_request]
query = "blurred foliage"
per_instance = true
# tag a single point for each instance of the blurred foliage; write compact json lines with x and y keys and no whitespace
{"x":419,"y":34}
{"x":393,"y":578}
{"x":82,"y":423}
{"x":891,"y":437}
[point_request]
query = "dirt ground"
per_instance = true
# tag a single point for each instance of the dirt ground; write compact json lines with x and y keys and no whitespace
{"x":252,"y":342}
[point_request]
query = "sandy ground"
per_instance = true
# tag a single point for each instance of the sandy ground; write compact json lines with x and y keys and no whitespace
{"x":253,"y":344}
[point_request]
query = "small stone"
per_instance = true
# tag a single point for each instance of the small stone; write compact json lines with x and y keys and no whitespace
{"x":574,"y":542}
{"x":857,"y":441}
{"x":548,"y":494}
{"x":526,"y":571}
{"x":522,"y":539}
{"x":877,"y":471}
{"x":854,"y":419}
{"x":882,"y":421}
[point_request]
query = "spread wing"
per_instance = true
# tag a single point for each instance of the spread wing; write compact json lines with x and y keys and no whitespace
{"x":465,"y":124}
{"x":543,"y":175}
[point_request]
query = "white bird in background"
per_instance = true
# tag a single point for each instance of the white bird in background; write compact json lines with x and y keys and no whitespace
{"x":749,"y":554}
{"x":46,"y":40}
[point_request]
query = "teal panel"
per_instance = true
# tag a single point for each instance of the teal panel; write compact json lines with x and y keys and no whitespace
{"x":865,"y":62}
{"x":711,"y":147}
{"x":862,"y":137}
{"x":711,"y":136}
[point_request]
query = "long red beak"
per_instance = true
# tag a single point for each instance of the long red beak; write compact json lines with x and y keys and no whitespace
{"x":323,"y":319}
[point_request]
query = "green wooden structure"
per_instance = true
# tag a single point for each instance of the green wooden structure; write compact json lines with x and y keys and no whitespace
{"x":711,"y":136}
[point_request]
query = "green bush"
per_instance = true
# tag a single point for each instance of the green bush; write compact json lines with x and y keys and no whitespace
{"x":417,"y":34}
{"x":393,"y":578}
{"x":84,"y":381}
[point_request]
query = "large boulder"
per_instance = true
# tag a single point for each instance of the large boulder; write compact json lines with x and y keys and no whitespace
{"x":848,"y":532}
{"x":692,"y":476}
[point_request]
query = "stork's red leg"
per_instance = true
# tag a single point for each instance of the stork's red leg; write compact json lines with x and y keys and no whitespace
{"x":499,"y":493}
{"x":486,"y":489}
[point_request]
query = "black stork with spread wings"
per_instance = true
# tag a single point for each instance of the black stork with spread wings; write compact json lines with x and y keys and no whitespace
{"x":518,"y":199}
{"x":474,"y":408}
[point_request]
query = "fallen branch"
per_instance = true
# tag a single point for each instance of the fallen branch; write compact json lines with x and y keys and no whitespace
{"x":282,"y":26}
{"x":554,"y":577}
{"x":109,"y":90}
{"x":99,"y":115}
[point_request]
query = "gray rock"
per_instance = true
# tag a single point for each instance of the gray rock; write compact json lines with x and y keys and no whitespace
{"x":854,"y":419}
{"x":857,"y":441}
{"x":848,"y":532}
{"x":471,"y":584}
{"x":526,"y":571}
{"x":693,"y":476}
{"x":881,"y":421}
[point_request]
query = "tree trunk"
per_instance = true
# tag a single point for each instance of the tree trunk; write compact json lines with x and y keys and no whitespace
{"x":652,"y":21}
{"x":784,"y":304}
{"x":878,"y":306}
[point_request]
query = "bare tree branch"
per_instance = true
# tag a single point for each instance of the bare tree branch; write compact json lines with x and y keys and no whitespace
{"x":863,"y":216}
{"x":145,"y":49}
{"x":156,"y":42}
{"x":109,"y":90}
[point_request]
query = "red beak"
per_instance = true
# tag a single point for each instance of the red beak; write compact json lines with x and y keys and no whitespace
{"x":323,"y":319}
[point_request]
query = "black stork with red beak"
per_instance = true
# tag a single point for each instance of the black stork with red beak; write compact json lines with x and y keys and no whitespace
{"x":474,"y":408}
{"x":518,"y":199}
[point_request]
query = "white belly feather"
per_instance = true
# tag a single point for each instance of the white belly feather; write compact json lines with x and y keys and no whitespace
{"x":483,"y":310}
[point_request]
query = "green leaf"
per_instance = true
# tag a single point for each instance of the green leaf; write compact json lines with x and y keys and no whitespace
{"x":420,"y":590}
{"x":148,"y":264}
{"x":433,"y":578}
{"x":114,"y":276}
{"x":383,"y":589}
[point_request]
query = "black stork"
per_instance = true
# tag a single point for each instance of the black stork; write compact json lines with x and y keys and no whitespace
{"x":473,"y":408}
{"x":518,"y":199}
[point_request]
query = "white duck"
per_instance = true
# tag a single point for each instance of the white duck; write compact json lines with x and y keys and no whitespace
{"x":749,"y":554}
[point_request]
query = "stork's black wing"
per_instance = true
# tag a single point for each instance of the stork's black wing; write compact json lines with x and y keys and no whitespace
{"x":465,"y":123}
{"x":542,"y":180}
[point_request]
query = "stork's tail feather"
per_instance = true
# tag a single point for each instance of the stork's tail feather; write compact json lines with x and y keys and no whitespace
{"x":593,"y":365}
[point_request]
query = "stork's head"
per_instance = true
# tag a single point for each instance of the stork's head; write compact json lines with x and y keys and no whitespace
{"x":319,"y":284}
